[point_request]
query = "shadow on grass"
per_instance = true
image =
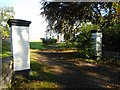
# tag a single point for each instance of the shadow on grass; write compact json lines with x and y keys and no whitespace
{"x":38,"y":77}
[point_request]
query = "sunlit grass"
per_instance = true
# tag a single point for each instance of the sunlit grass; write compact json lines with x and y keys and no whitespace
{"x":90,"y":60}
{"x":37,"y":45}
{"x":39,"y":77}
{"x":6,"y":49}
{"x":43,"y":84}
{"x":6,"y":52}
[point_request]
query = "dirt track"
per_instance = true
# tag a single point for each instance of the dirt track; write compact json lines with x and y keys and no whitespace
{"x":70,"y":73}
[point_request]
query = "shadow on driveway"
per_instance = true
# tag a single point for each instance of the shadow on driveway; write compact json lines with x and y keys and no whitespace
{"x":79,"y":74}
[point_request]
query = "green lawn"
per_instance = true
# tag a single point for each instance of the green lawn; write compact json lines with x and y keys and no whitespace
{"x":37,"y":45}
{"x":41,"y":46}
{"x":6,"y":52}
{"x":6,"y":49}
{"x":39,"y":76}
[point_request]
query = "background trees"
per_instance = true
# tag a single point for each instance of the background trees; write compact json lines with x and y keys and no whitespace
{"x":67,"y":17}
{"x":5,"y":14}
{"x":111,"y":39}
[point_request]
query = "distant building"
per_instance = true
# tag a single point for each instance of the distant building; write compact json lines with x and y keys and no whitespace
{"x":54,"y":35}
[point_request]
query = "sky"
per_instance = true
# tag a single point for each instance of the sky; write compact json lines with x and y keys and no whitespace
{"x":28,"y":10}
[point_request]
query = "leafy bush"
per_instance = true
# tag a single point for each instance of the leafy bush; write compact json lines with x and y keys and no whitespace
{"x":49,"y":41}
{"x":111,"y":38}
{"x":85,"y":44}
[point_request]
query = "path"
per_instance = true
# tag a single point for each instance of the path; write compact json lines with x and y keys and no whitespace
{"x":70,"y":73}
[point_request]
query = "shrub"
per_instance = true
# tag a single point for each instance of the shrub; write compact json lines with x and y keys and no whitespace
{"x":85,"y":44}
{"x":49,"y":41}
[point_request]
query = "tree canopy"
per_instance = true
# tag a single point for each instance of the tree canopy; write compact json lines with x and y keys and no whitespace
{"x":5,"y":14}
{"x":67,"y":16}
{"x":111,"y":37}
{"x":73,"y":17}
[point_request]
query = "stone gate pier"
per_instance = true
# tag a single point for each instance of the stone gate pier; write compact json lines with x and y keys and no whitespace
{"x":19,"y":35}
{"x":97,"y":37}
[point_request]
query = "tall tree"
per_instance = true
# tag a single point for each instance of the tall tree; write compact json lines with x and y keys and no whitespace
{"x":111,"y":39}
{"x":67,"y":16}
{"x":5,"y":14}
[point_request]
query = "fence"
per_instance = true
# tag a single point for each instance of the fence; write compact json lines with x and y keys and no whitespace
{"x":7,"y":71}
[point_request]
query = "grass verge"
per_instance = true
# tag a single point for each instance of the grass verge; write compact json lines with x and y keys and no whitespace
{"x":6,"y":52}
{"x":39,"y":77}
